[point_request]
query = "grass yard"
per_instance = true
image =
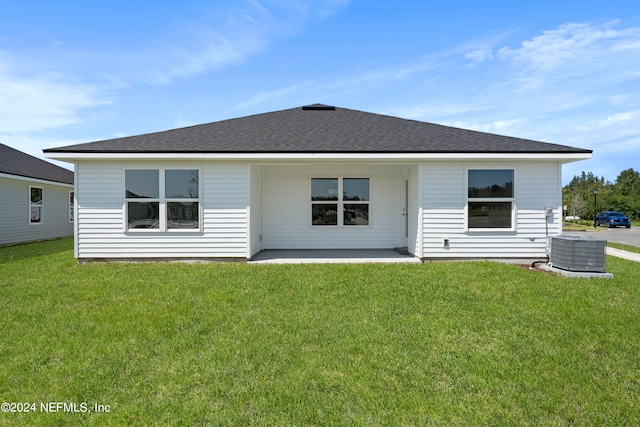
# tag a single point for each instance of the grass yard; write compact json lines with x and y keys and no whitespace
{"x":451,"y":343}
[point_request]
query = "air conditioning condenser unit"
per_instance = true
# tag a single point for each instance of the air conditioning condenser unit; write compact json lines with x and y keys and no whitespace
{"x":578,"y":253}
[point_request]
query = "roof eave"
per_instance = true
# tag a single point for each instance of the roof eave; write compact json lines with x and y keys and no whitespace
{"x":35,"y":179}
{"x":273,"y":155}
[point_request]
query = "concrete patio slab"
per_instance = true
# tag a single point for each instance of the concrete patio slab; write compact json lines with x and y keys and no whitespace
{"x":331,"y":256}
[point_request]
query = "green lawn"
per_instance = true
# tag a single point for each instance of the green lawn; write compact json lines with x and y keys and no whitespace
{"x":451,"y":343}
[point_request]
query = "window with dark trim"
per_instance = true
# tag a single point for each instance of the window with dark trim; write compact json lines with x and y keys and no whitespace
{"x":490,"y":197}
{"x":340,"y":201}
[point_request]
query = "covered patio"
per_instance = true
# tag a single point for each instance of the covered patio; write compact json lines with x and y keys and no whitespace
{"x":332,"y":256}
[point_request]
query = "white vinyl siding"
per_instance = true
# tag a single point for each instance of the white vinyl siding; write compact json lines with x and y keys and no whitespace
{"x":15,"y":225}
{"x":537,"y":185}
{"x":287,"y":208}
{"x":250,"y":207}
{"x":255,"y":210}
{"x":100,"y":205}
{"x":415,"y":211}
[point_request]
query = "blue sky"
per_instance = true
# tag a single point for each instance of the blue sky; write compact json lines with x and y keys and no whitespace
{"x":561,"y":71}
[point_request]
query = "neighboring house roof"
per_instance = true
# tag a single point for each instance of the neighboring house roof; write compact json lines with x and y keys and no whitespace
{"x":15,"y":162}
{"x":318,"y":129}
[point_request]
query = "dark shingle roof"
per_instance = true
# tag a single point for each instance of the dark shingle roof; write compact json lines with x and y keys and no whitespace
{"x":318,"y":129}
{"x":14,"y":162}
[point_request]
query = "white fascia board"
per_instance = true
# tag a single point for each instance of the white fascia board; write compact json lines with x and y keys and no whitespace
{"x":564,"y":157}
{"x":34,"y":180}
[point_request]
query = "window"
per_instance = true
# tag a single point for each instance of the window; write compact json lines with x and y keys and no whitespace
{"x":182,"y":193}
{"x":324,"y":190}
{"x":35,"y":205}
{"x":490,"y":199}
{"x":71,"y":205}
{"x":162,"y":200}
{"x":343,"y":201}
{"x":142,"y":188}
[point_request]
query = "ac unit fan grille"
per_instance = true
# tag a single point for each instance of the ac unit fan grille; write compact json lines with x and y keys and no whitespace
{"x":578,"y":253}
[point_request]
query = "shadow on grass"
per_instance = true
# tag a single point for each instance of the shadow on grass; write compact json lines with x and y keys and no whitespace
{"x":35,"y":250}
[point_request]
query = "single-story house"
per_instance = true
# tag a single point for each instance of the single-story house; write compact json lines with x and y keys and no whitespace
{"x":316,"y":177}
{"x":36,"y":198}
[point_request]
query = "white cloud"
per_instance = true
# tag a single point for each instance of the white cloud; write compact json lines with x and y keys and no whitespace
{"x":584,"y":72}
{"x":35,"y":99}
{"x":574,"y":51}
{"x":480,"y":55}
{"x":433,"y":112}
{"x":497,"y":126}
{"x":376,"y":77}
{"x":389,"y":73}
{"x":576,"y":85}
{"x":31,"y":104}
{"x":227,"y":35}
{"x":625,"y":116}
{"x":329,"y":7}
{"x":267,"y":96}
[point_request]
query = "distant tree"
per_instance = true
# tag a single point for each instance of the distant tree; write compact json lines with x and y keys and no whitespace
{"x":628,"y":183}
{"x":579,"y":194}
{"x":575,"y":205}
{"x":627,"y":193}
{"x":623,"y":195}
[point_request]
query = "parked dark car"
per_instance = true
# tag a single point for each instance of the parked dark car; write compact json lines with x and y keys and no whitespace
{"x":613,"y":219}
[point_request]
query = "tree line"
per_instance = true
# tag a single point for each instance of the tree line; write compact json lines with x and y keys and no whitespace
{"x":622,"y":195}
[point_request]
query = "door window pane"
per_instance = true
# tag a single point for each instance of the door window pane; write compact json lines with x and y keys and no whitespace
{"x":490,"y":214}
{"x":182,"y":215}
{"x":142,"y":184}
{"x":181,"y":184}
{"x":324,"y":189}
{"x":356,"y":214}
{"x":490,"y":183}
{"x":324,"y":214}
{"x":355,"y":189}
{"x":143,"y":214}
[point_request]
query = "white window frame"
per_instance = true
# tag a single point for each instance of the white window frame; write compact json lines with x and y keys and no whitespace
{"x":340,"y":202}
{"x":511,"y":200}
{"x":36,"y":205}
{"x":162,"y":201}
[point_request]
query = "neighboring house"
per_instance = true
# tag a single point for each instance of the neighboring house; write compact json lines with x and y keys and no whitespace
{"x":36,"y":198}
{"x":316,"y":177}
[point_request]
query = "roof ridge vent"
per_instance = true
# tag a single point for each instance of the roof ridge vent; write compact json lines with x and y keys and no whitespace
{"x":319,"y":107}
